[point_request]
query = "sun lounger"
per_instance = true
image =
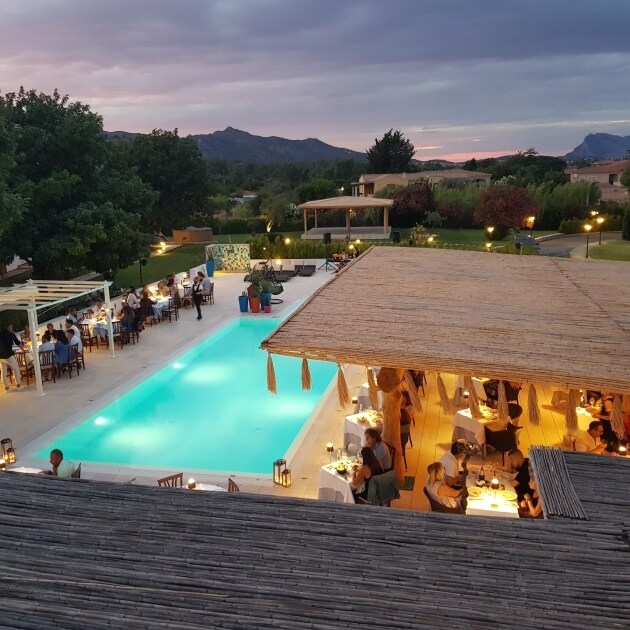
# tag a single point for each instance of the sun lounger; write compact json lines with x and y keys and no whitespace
{"x":307,"y":270}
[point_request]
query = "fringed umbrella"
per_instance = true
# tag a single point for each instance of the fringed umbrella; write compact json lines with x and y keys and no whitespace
{"x":571,"y":421}
{"x":532,"y":405}
{"x":473,"y":399}
{"x":445,"y":401}
{"x":271,"y":376}
{"x":373,"y":388}
{"x":616,"y":418}
{"x":502,"y":404}
{"x":342,"y":387}
{"x":412,"y":389}
{"x":306,"y":376}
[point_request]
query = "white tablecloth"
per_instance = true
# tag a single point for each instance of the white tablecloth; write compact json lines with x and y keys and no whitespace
{"x":472,"y":429}
{"x":353,"y":430}
{"x":477,"y":384}
{"x":25,"y":469}
{"x":208,"y":487}
{"x":491,"y":503}
{"x":335,"y":487}
{"x":159,"y":306}
{"x":98,"y":327}
{"x":363,"y":397}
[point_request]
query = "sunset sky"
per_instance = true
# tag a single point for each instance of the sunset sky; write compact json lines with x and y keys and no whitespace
{"x":459,"y":78}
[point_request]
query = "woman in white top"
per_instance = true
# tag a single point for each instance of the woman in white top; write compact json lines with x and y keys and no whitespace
{"x":437,"y":488}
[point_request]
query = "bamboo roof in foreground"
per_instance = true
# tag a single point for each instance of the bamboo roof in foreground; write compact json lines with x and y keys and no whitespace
{"x":86,"y":554}
{"x":536,"y":319}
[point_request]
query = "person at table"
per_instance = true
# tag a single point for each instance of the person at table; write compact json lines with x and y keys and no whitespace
{"x":72,"y":326}
{"x":439,"y":490}
{"x":146,"y":304}
{"x":74,"y":340}
{"x":7,"y":358}
{"x":46,"y":343}
{"x":62,"y":350}
{"x":99,"y":310}
{"x":374,"y":441}
{"x":362,"y":475}
{"x":127,"y":319}
{"x":532,"y":503}
{"x":517,"y":465}
{"x":206,"y":284}
{"x":173,"y":291}
{"x":60,"y":467}
{"x":73,"y":315}
{"x":590,"y":441}
{"x":26,"y":334}
{"x":54,"y":333}
{"x":606,"y":403}
{"x":452,"y":462}
{"x":132,"y":299}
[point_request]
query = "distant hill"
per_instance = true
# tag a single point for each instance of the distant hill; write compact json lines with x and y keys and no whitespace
{"x":239,"y":146}
{"x":600,"y":146}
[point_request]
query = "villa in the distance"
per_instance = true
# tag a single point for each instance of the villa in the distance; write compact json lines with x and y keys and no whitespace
{"x":607,"y":174}
{"x":370,"y":185}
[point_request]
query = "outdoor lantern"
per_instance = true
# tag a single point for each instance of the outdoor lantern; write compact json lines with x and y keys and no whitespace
{"x":494,"y":484}
{"x":286,"y":478}
{"x":3,"y":464}
{"x":623,"y":450}
{"x":8,"y":452}
{"x":355,"y":400}
{"x":330,"y":449}
{"x":191,"y":484}
{"x":278,"y":466}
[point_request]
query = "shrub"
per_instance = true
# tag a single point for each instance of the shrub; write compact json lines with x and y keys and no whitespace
{"x":626,"y":225}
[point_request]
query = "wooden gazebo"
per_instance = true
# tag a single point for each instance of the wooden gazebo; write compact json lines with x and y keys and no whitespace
{"x":348,"y":205}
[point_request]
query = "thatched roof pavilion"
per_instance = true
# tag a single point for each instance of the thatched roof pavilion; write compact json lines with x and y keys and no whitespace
{"x":525,"y":318}
{"x":86,"y":554}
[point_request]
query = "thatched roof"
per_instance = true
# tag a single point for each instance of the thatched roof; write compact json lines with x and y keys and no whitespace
{"x":83,"y":554}
{"x":346,"y":203}
{"x":525,"y":318}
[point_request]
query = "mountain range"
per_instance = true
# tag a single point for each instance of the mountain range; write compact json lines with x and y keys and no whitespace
{"x":240,"y":146}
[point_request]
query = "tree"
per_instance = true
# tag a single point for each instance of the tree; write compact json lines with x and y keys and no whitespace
{"x":626,"y":225}
{"x":316,"y":189}
{"x":391,"y":154}
{"x":274,"y":210}
{"x":411,"y":205}
{"x":470,"y":165}
{"x":625,"y":179}
{"x":505,"y":207}
{"x":176,"y":170}
{"x":80,"y":212}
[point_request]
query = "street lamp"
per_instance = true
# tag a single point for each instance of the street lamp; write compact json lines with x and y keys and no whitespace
{"x":594,"y":213}
{"x":490,"y":230}
{"x":588,"y":227}
{"x":600,"y":220}
{"x":530,"y":224}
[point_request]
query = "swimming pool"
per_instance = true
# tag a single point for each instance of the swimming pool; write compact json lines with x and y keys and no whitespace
{"x":209,"y":410}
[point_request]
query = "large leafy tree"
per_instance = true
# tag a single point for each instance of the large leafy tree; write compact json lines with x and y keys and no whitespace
{"x":391,"y":154}
{"x":317,"y":188}
{"x":505,"y":207}
{"x":411,"y":205}
{"x":176,"y":170}
{"x":78,"y":205}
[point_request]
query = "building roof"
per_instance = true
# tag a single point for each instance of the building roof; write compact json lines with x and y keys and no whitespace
{"x":86,"y":554}
{"x":608,"y":167}
{"x":346,"y":203}
{"x":525,"y":318}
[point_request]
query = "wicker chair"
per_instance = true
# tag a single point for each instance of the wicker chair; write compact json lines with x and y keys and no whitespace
{"x":172,"y":481}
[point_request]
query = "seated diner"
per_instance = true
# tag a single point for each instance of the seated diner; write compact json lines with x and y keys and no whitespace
{"x":439,"y":490}
{"x":452,"y":461}
{"x":374,"y":441}
{"x":60,"y":467}
{"x":362,"y":474}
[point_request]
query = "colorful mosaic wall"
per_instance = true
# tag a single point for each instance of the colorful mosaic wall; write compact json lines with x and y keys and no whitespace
{"x":229,"y":257}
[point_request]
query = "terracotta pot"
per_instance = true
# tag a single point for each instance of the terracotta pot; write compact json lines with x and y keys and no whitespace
{"x":254,"y":304}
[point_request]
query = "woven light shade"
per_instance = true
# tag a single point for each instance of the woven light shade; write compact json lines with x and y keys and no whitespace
{"x":271,"y":376}
{"x":372,"y":388}
{"x":413,"y":391}
{"x":306,"y":376}
{"x":502,"y":404}
{"x":571,"y":421}
{"x":532,"y":405}
{"x":342,"y":388}
{"x":616,"y":418}
{"x":473,"y":400}
{"x":445,"y":401}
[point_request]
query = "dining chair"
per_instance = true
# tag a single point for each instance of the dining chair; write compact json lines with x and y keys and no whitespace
{"x":74,"y":360}
{"x":504,"y":440}
{"x":87,"y":338}
{"x":170,"y":311}
{"x":172,"y":481}
{"x":232,"y":487}
{"x":438,"y":507}
{"x":77,"y":473}
{"x":47,"y":365}
{"x":26,"y":370}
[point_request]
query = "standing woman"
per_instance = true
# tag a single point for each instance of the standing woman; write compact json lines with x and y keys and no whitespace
{"x":197,"y":290}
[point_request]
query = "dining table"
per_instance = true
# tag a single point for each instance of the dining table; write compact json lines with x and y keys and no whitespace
{"x":333,"y":486}
{"x":208,"y":487}
{"x":484,"y":501}
{"x":466,"y":427}
{"x":160,"y":304}
{"x":355,"y":424}
{"x":98,"y":326}
{"x":460,"y":388}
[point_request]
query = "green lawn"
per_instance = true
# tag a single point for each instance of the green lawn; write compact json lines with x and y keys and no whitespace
{"x":611,"y":251}
{"x":157,"y":267}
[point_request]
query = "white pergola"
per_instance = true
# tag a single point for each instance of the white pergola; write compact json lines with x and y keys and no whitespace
{"x":34,"y":295}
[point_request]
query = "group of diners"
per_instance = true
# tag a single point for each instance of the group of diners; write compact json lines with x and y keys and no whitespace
{"x":446,"y":481}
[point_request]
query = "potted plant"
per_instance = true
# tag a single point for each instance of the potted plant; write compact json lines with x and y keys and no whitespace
{"x":253,"y":290}
{"x":210,"y":265}
{"x":266,"y":288}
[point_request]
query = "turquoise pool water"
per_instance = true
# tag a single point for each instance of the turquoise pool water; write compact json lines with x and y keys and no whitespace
{"x":208,"y":410}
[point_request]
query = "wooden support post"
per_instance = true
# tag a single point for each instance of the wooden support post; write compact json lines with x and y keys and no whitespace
{"x":305,"y":223}
{"x":33,"y":325}
{"x":315,"y":217}
{"x":391,"y":425}
{"x":385,"y":219}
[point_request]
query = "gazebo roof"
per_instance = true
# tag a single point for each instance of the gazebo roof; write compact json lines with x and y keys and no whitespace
{"x":346,"y":203}
{"x":526,"y":318}
{"x":36,"y":294}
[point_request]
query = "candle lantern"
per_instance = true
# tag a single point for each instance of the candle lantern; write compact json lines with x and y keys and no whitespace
{"x":286,"y":478}
{"x":278,"y":466}
{"x":623,"y":450}
{"x":330,"y":449}
{"x":494,"y":484}
{"x":191,"y":484}
{"x":3,"y":464}
{"x":8,"y":452}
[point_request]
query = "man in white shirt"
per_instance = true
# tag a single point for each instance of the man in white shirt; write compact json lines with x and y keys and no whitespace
{"x":590,"y":441}
{"x":60,"y":467}
{"x":47,"y":343}
{"x":205,"y":283}
{"x":70,"y":325}
{"x":452,"y":462}
{"x":74,"y":340}
{"x":132,"y":299}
